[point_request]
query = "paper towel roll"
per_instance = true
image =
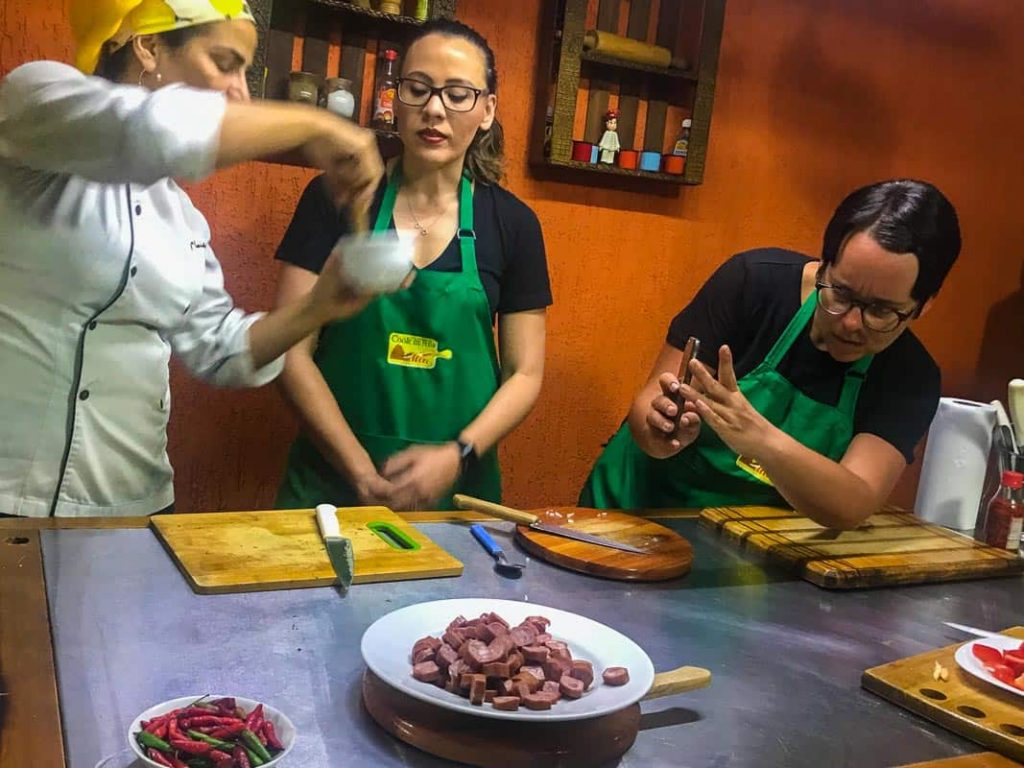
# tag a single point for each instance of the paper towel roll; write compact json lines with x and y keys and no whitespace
{"x":955,"y":460}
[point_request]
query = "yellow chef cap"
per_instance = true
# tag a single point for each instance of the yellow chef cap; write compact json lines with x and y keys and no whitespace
{"x":95,"y":22}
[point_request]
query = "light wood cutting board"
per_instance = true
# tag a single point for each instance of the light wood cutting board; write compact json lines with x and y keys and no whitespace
{"x":222,"y":552}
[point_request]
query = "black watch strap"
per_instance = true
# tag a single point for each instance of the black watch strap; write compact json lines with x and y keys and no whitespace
{"x":467,"y":456}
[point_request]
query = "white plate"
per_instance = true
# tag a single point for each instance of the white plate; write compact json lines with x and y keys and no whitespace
{"x":387,"y":646}
{"x":282,"y":725}
{"x":375,"y":264}
{"x":970,"y":663}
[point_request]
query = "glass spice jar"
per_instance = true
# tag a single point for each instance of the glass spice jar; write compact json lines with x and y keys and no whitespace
{"x":304,"y":87}
{"x":340,"y":99}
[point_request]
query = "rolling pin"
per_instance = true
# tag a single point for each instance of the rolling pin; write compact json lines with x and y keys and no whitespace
{"x":625,"y":49}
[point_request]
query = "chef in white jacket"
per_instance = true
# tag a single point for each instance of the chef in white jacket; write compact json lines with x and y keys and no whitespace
{"x":106,"y":267}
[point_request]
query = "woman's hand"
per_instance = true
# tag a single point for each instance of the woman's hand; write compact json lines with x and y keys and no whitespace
{"x":726,"y":410}
{"x":349,"y":157}
{"x":672,"y":426}
{"x":421,"y":475}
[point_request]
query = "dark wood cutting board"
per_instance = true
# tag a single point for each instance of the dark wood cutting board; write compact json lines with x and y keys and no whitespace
{"x":889,"y":548}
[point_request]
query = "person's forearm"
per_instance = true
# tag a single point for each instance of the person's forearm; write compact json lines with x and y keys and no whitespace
{"x":815,"y":486}
{"x":253,"y":130}
{"x":278,"y":331}
{"x":304,"y":388}
{"x":509,"y":406}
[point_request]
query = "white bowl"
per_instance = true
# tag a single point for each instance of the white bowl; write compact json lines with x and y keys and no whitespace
{"x":282,"y":725}
{"x":375,"y":264}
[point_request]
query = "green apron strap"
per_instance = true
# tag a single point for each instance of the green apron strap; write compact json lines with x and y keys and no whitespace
{"x":387,"y":205}
{"x":793,"y":330}
{"x":855,"y":376}
{"x":467,"y":233}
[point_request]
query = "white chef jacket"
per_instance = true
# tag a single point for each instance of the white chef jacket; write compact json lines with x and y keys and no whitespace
{"x":105,"y":269}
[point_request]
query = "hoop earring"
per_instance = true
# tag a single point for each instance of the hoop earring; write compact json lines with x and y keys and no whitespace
{"x":143,"y":73}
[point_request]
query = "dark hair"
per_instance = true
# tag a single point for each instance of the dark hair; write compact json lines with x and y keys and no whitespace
{"x":114,"y":63}
{"x":902,"y":216}
{"x":485,"y":158}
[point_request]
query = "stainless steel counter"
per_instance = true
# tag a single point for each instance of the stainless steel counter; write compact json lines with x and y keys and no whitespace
{"x":786,"y":656}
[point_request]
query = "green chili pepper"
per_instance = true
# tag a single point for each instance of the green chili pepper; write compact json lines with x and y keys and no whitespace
{"x":147,"y":739}
{"x":219,"y":743}
{"x":255,"y":759}
{"x":253,"y":742}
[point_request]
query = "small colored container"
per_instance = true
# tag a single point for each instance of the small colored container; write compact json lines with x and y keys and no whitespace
{"x":595,"y":153}
{"x":628,"y":158}
{"x":582,"y":151}
{"x":674,"y":164}
{"x":304,"y":87}
{"x":650,"y":161}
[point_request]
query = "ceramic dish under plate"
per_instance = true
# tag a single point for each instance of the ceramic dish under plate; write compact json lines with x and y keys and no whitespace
{"x":282,"y":725}
{"x":970,"y":663}
{"x":387,"y":646}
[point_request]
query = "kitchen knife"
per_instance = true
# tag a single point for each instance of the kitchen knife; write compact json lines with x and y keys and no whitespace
{"x":1015,"y":404}
{"x":339,"y":549}
{"x":532,"y":521}
{"x":1004,"y":421}
{"x":975,"y":631}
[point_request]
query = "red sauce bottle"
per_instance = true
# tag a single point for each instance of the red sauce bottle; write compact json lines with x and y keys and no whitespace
{"x":385,"y":91}
{"x":1005,"y":515}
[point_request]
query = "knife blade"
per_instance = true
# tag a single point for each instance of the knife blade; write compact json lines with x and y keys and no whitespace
{"x":569,"y":533}
{"x":975,"y":631}
{"x":339,"y":549}
{"x":532,"y":521}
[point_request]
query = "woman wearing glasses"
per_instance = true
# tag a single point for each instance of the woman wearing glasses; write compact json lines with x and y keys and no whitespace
{"x":405,"y":404}
{"x":821,"y":392}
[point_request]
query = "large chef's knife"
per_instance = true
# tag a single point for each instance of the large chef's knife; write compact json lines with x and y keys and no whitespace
{"x":339,"y":549}
{"x":975,"y":631}
{"x":532,"y":521}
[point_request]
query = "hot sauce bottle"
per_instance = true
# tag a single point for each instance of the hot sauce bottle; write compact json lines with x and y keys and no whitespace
{"x":384,"y":91}
{"x":1005,"y":514}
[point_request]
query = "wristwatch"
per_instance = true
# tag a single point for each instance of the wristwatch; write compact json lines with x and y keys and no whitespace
{"x":467,"y":457}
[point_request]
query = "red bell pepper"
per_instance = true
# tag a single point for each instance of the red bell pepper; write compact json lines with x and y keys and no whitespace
{"x":987,"y":654}
{"x":1015,"y":661}
{"x":1002,"y":672}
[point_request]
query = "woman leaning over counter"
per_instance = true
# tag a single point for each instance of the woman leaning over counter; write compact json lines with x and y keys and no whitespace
{"x":407,"y":402}
{"x":106,"y":267}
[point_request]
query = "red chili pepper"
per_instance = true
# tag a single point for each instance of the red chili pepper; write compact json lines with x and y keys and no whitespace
{"x":226,"y":705}
{"x":197,"y":711}
{"x":254,"y":720}
{"x":986,"y":654}
{"x":241,"y":758}
{"x":173,"y":730}
{"x":271,"y":734}
{"x":193,"y":722}
{"x":175,"y":762}
{"x":190,"y":746}
{"x":221,"y":759}
{"x":158,"y":757}
{"x":227,"y":731}
{"x":156,"y":722}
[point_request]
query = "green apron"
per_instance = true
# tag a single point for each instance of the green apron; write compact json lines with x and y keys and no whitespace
{"x":413,"y":368}
{"x":708,"y":473}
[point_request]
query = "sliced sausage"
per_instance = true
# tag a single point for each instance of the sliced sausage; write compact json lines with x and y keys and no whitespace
{"x":423,"y":654}
{"x":515,"y":661}
{"x":524,"y":634}
{"x":570,"y":687}
{"x":506,"y":703}
{"x":477,"y":690}
{"x":537,"y":672}
{"x":555,"y":668}
{"x":581,"y":670}
{"x":426,"y":672}
{"x":550,"y":686}
{"x":445,"y":656}
{"x":532,"y":682}
{"x":616,"y":676}
{"x":538,"y":701}
{"x":536,"y":653}
{"x":541,"y":622}
{"x":542,"y":638}
{"x":454,"y":637}
{"x":489,"y":696}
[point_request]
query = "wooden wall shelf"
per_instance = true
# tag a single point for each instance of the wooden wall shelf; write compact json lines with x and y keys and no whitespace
{"x":578,"y":86}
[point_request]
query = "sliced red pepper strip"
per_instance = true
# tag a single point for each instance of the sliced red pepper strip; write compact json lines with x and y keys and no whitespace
{"x":1002,"y":672}
{"x":987,"y":654}
{"x":158,"y":757}
{"x":191,"y":746}
{"x":271,"y":733}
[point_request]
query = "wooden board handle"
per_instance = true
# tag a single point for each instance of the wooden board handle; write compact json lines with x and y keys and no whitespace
{"x":679,"y":680}
{"x":490,"y":508}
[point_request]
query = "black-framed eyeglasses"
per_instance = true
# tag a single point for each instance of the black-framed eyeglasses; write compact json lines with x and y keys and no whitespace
{"x":882,"y":318}
{"x":454,"y":98}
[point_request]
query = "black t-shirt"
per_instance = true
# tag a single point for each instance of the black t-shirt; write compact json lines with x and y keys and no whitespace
{"x":510,"y":252}
{"x":748,"y":303}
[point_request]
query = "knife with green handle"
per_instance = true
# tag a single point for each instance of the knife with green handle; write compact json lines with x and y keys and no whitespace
{"x":339,"y":549}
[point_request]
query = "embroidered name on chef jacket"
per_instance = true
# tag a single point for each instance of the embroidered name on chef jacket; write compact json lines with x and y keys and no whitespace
{"x":415,"y":351}
{"x":753,"y":467}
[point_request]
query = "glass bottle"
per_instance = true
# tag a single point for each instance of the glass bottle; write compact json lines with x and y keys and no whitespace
{"x":340,"y":100}
{"x":385,"y":91}
{"x":1005,"y":514}
{"x":682,"y":145}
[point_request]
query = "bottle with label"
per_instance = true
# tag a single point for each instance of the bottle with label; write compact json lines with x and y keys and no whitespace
{"x":1005,"y":515}
{"x":385,"y":91}
{"x":682,"y":145}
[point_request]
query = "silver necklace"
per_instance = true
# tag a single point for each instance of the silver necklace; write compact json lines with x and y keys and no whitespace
{"x":424,"y":230}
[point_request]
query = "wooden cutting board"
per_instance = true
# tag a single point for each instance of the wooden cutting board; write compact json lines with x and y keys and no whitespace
{"x":964,"y":704}
{"x":251,"y":551}
{"x":668,"y":555}
{"x":889,"y":548}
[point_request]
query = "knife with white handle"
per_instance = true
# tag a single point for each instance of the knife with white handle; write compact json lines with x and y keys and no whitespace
{"x":1015,"y":403}
{"x":1003,"y":420}
{"x":339,"y":549}
{"x":975,"y":631}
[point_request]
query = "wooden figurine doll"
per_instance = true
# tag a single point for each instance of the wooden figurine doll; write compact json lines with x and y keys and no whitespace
{"x":609,"y":143}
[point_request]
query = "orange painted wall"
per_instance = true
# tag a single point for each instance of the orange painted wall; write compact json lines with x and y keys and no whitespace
{"x":814,"y":97}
